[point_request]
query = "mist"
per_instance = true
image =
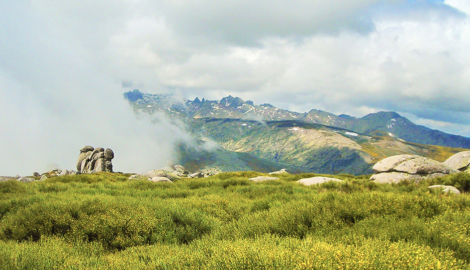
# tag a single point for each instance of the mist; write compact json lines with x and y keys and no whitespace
{"x":57,"y":96}
{"x":65,"y":65}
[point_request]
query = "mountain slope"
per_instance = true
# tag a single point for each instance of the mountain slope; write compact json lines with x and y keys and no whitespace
{"x":234,"y":107}
{"x":265,"y":138}
{"x":308,"y":147}
{"x":405,"y":129}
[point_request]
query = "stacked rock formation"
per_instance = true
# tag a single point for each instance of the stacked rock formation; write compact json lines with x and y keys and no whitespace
{"x":93,"y":160}
{"x":459,"y":161}
{"x":400,"y":168}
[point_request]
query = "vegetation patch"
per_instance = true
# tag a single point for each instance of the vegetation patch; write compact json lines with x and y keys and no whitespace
{"x":226,"y":221}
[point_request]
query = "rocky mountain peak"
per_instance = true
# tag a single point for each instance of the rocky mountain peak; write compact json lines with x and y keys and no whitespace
{"x":233,"y":102}
{"x":133,"y":96}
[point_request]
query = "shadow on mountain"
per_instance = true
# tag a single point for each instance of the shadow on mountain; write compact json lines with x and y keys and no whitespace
{"x":330,"y":160}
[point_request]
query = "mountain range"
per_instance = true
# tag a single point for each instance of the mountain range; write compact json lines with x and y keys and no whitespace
{"x":265,"y":138}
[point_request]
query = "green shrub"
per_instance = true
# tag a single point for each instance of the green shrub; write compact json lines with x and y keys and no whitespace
{"x":460,"y":180}
{"x":102,"y":221}
{"x":11,"y":186}
{"x":114,"y":225}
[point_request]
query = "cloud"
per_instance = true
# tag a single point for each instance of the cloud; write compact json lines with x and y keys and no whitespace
{"x":244,"y":22}
{"x":57,"y":98}
{"x":64,"y":66}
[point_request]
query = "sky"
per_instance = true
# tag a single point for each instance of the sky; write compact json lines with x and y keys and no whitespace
{"x":64,"y":66}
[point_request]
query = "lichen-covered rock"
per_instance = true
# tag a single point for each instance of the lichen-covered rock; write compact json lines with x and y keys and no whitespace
{"x":26,"y":179}
{"x":263,"y":178}
{"x":422,"y":165}
{"x":162,"y":173}
{"x":138,"y":177}
{"x":64,"y":172}
{"x":446,"y":189}
{"x":317,"y":180}
{"x":394,"y":177}
{"x":160,"y":179}
{"x":108,"y":154}
{"x":93,"y":160}
{"x":388,"y":164}
{"x":414,"y":168}
{"x":279,"y":172}
{"x":180,"y":170}
{"x":196,"y":175}
{"x":459,"y":161}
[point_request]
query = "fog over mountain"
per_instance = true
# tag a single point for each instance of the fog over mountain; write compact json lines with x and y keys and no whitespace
{"x":64,"y":66}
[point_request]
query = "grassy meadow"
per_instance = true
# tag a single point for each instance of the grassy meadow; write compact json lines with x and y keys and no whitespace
{"x":104,"y":221}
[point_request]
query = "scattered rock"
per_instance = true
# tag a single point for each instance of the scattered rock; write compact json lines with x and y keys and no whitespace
{"x":446,"y":189}
{"x":17,"y":177}
{"x":36,"y":174}
{"x":317,"y":180}
{"x":181,"y":169}
{"x":138,"y":177}
{"x":160,"y":179}
{"x":263,"y":178}
{"x":196,"y":175}
{"x":162,"y":173}
{"x":26,"y":179}
{"x":93,"y":160}
{"x":43,"y":177}
{"x":63,"y":173}
{"x":415,"y":168}
{"x":459,"y":161}
{"x":279,"y":172}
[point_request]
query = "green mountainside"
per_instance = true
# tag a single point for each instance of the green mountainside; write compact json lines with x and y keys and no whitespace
{"x":265,"y":138}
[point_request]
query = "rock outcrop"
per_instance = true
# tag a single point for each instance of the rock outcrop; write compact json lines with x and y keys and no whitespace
{"x":459,"y":161}
{"x":279,"y":172}
{"x":317,"y":180}
{"x":400,"y":168}
{"x":446,"y":189}
{"x":162,"y":173}
{"x":93,"y":160}
{"x":26,"y":179}
{"x":160,"y":179}
{"x":263,"y":178}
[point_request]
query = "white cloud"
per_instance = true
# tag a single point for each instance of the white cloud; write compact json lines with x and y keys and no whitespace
{"x":63,"y":66}
{"x":462,"y":5}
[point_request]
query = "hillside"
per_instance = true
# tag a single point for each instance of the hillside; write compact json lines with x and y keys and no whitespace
{"x":305,"y":147}
{"x":265,"y":138}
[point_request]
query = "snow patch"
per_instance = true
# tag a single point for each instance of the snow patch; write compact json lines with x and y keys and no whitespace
{"x":351,"y":134}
